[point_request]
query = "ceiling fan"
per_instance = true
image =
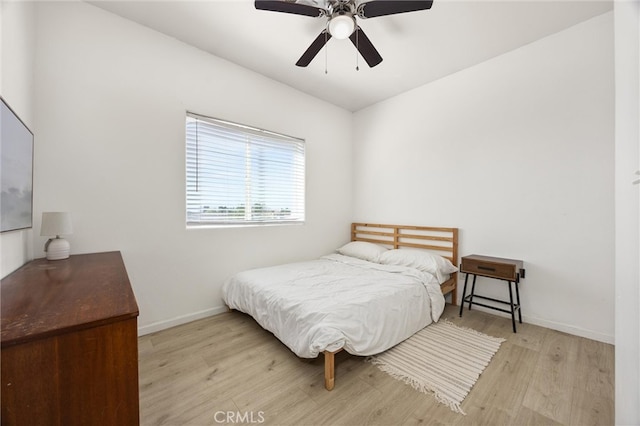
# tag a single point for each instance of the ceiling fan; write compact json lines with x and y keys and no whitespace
{"x":341,"y":20}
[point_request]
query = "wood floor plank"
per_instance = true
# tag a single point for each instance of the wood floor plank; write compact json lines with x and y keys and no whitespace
{"x":394,"y":405}
{"x":551,"y":390}
{"x":228,"y":365}
{"x":595,"y":367}
{"x":353,"y":400}
{"x":276,"y":402}
{"x":527,"y":417}
{"x":193,"y":409}
{"x":503,"y":384}
{"x":591,"y":410}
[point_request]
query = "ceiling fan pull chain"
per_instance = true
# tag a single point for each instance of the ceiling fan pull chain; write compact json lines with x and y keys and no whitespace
{"x":357,"y":50}
{"x":325,"y":52}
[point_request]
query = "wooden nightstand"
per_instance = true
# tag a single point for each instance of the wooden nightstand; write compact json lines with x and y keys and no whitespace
{"x":509,"y":270}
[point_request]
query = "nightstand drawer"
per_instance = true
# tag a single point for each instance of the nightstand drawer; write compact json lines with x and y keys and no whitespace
{"x":486,"y":266}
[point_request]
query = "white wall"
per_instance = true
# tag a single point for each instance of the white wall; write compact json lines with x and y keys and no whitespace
{"x":518,"y":152}
{"x":17,"y":52}
{"x":521,"y":153}
{"x":627,"y":320}
{"x":111,"y":98}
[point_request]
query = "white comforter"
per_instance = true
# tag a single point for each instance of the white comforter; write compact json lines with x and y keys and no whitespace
{"x":337,"y":302}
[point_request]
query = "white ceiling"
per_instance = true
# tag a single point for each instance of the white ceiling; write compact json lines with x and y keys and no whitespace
{"x":416,"y":47}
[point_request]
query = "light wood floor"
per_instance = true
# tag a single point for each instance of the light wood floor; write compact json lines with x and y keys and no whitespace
{"x":196,"y":373}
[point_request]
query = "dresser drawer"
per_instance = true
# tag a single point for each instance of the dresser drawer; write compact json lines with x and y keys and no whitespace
{"x":486,"y":267}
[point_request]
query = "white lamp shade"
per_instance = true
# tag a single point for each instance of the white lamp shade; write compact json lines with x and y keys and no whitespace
{"x":56,"y":223}
{"x":342,"y":26}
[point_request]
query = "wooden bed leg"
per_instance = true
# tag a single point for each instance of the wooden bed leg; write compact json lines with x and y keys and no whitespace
{"x":329,"y":370}
{"x":454,"y":292}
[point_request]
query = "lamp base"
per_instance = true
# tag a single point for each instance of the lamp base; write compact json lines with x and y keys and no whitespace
{"x":58,"y":249}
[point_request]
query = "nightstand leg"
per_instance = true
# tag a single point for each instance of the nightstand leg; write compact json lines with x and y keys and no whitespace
{"x":464,"y":292}
{"x":519,"y":305}
{"x":473,"y":290}
{"x":513,"y":314}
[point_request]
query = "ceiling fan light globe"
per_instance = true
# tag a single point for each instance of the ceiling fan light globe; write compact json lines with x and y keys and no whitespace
{"x":342,"y":26}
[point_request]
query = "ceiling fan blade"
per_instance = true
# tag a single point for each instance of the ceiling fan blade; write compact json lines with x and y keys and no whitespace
{"x":288,"y":7}
{"x":365,"y":47}
{"x":375,"y":8}
{"x":313,"y":50}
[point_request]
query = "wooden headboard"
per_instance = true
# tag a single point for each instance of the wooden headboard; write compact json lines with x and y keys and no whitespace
{"x":442,"y":241}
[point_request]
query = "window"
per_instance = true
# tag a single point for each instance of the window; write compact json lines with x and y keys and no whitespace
{"x":241,"y":175}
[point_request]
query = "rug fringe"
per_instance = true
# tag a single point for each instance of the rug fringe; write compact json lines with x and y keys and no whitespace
{"x":419,"y":386}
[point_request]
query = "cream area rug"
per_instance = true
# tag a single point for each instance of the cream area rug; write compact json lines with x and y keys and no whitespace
{"x":442,"y":359}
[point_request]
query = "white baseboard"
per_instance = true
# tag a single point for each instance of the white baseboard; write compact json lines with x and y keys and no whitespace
{"x":565,"y":328}
{"x":570,"y":329}
{"x":183,"y":319}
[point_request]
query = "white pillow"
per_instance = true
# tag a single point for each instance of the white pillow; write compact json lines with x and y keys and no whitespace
{"x":422,"y":260}
{"x":362,"y":250}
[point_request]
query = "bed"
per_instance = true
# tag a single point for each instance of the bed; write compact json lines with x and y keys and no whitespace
{"x":377,"y":290}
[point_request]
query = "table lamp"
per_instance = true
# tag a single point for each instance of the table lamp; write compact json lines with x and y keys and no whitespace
{"x":56,"y":223}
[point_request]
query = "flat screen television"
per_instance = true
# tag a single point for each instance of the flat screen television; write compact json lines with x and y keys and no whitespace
{"x":16,"y":171}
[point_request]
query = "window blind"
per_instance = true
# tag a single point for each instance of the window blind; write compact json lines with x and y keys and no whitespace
{"x":237,"y":174}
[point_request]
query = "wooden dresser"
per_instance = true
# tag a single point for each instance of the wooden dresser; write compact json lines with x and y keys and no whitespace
{"x":69,"y":343}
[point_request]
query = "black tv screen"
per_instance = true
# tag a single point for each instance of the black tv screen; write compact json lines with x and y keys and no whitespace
{"x":16,"y":171}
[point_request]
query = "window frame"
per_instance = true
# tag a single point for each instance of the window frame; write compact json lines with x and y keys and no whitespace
{"x":254,"y":138}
